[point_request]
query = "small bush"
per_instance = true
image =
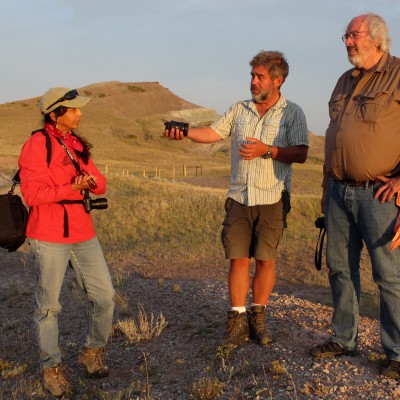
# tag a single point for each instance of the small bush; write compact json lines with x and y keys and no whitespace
{"x":9,"y":369}
{"x":279,"y":368}
{"x":143,"y":328}
{"x":207,"y":389}
{"x":176,"y":288}
{"x":136,"y":89}
{"x":121,"y":300}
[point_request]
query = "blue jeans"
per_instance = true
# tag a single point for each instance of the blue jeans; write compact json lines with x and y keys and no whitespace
{"x":354,"y":217}
{"x":87,"y":260}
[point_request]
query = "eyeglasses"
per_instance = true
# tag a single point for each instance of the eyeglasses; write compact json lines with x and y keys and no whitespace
{"x":72,"y":94}
{"x":352,"y":35}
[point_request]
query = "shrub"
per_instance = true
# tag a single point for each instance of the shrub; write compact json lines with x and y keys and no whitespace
{"x":143,"y":328}
{"x":136,"y":89}
{"x":207,"y":389}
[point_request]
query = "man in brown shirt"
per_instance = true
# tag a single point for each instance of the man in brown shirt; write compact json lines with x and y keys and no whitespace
{"x":361,"y":181}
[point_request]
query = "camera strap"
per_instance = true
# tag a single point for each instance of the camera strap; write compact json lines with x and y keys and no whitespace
{"x":63,"y":202}
{"x":78,"y":169}
{"x":319,"y":247}
{"x":71,"y":156}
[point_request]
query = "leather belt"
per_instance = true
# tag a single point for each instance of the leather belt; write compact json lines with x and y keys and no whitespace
{"x":352,"y":182}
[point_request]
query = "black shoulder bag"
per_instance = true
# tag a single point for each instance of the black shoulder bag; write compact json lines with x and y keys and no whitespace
{"x":13,"y":220}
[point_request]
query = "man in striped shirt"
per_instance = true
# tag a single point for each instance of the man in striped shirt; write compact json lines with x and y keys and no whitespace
{"x":268,"y":134}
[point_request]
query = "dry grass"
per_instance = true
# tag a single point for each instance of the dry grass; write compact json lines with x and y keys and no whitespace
{"x":165,"y":220}
{"x":143,"y":328}
{"x":207,"y":389}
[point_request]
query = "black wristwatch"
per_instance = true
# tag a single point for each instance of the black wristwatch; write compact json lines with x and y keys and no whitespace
{"x":268,"y":154}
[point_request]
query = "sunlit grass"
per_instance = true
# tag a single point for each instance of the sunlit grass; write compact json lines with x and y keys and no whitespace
{"x":154,"y":217}
{"x":141,"y":328}
{"x":170,"y":221}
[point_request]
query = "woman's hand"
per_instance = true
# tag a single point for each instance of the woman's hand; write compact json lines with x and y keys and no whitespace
{"x":82,"y":182}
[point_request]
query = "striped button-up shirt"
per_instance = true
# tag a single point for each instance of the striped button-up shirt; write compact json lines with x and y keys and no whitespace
{"x":261,"y":181}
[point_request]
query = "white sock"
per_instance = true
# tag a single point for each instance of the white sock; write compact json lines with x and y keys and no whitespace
{"x":240,"y":309}
{"x":255,"y":304}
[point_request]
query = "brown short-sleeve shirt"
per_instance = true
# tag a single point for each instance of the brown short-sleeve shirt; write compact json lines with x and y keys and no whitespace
{"x":362,"y":141}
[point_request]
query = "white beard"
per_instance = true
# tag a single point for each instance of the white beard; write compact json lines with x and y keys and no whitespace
{"x":357,"y":60}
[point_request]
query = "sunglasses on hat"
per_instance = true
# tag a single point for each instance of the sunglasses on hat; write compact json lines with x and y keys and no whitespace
{"x":72,"y":94}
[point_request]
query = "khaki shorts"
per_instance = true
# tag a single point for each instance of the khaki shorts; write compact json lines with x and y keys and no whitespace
{"x":254,"y":231}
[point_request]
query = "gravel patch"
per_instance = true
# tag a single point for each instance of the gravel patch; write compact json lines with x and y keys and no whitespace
{"x":186,"y":357}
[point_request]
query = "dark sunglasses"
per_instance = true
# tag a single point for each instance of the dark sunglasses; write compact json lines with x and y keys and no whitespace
{"x":72,"y":94}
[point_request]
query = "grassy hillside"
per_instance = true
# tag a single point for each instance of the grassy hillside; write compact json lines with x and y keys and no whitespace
{"x":120,"y":116}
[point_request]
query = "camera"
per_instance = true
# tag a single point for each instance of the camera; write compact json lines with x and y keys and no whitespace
{"x":92,"y":184}
{"x":90,"y":204}
{"x":181,"y":126}
{"x":320,"y":223}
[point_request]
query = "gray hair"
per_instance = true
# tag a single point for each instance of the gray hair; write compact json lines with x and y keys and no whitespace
{"x":273,"y":61}
{"x":378,"y":30}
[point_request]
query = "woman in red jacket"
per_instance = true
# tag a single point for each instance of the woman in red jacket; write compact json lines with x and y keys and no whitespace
{"x":56,"y":171}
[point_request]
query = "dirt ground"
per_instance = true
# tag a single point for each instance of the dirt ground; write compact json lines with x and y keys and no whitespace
{"x":185,"y":361}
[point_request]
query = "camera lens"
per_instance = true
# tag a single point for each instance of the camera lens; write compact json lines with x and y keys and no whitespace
{"x":99,"y":204}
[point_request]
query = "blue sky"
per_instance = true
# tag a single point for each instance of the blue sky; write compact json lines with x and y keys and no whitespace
{"x":199,"y":49}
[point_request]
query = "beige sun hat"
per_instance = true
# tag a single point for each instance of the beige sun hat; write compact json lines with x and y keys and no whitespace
{"x":61,"y":96}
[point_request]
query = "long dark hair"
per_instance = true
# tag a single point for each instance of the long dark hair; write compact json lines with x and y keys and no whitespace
{"x":85,"y":153}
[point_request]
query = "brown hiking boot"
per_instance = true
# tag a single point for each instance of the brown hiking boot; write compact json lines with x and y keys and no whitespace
{"x":55,"y":382}
{"x":93,"y":361}
{"x":391,"y":369}
{"x":331,"y":349}
{"x":237,"y":330}
{"x":258,"y":330}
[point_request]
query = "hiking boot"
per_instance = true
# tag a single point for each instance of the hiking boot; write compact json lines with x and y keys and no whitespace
{"x":93,"y":361}
{"x":391,"y":369}
{"x":258,"y":330}
{"x":331,"y":349}
{"x":55,"y":382}
{"x":237,"y":330}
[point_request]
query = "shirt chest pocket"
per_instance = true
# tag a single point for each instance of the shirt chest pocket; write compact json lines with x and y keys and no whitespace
{"x":241,"y":128}
{"x":336,"y":105}
{"x":370,"y":106}
{"x":273,"y":132}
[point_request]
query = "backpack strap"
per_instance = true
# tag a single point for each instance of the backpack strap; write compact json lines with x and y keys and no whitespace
{"x":17,"y":179}
{"x":66,"y":220}
{"x":48,"y":144}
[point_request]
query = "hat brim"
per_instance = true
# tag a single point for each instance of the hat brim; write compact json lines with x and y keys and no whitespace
{"x":78,"y":102}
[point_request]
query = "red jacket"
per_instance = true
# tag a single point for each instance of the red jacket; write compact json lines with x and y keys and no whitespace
{"x":42,"y":186}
